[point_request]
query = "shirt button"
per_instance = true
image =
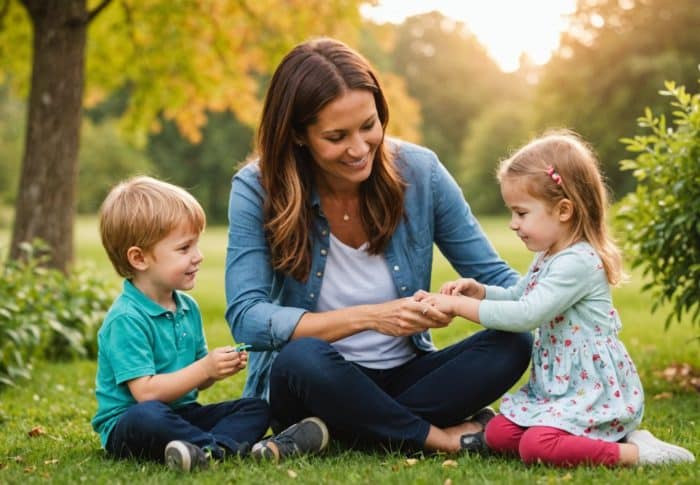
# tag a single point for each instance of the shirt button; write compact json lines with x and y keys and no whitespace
{"x":324,"y":232}
{"x":403,"y":288}
{"x":311,"y":295}
{"x":324,"y":252}
{"x":396,"y":268}
{"x":319,"y":274}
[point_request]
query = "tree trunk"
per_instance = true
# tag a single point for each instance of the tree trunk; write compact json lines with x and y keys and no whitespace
{"x":47,"y":189}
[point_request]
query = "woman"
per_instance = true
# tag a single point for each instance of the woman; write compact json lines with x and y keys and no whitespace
{"x":331,"y":232}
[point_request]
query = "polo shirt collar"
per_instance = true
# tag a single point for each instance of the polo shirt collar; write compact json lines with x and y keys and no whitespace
{"x":149,"y":306}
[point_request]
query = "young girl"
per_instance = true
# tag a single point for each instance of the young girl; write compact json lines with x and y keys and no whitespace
{"x":584,"y":399}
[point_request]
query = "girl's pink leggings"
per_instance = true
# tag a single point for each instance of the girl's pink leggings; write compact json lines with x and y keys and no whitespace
{"x":548,"y":445}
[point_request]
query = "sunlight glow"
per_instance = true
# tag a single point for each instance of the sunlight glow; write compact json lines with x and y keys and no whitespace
{"x":506,"y":28}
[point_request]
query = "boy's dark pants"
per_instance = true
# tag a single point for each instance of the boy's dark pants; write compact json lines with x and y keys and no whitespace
{"x":229,"y":427}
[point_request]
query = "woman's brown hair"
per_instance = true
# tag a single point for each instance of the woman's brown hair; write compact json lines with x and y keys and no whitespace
{"x":310,"y":76}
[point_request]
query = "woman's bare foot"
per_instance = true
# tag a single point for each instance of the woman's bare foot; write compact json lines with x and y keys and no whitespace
{"x":447,"y":440}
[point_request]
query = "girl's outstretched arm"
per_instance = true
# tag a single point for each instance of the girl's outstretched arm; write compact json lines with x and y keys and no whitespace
{"x":455,"y":305}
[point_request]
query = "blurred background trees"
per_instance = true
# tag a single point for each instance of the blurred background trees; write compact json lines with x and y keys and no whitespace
{"x":173,"y":89}
{"x":612,"y":64}
{"x":176,"y":61}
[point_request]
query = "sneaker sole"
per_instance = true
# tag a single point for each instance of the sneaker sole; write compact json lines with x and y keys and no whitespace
{"x":261,"y":451}
{"x":177,"y":457}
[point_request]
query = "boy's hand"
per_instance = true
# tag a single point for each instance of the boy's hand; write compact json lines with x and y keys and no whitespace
{"x":464,"y":286}
{"x":223,"y":362}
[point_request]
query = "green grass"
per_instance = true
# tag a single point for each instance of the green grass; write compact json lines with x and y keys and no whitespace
{"x":60,"y":399}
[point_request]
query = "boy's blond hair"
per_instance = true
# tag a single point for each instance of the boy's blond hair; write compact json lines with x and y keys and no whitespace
{"x":141,"y":211}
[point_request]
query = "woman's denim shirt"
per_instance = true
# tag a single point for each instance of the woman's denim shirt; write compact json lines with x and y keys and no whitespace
{"x":264,"y":306}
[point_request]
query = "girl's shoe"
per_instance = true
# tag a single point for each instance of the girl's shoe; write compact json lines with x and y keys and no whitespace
{"x":475,"y":442}
{"x":653,"y":451}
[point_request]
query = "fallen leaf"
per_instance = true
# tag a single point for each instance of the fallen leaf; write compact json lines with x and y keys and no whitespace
{"x":50,"y":462}
{"x":449,"y":463}
{"x":29,"y":469}
{"x":36,"y":431}
{"x":411,"y":461}
{"x":663,"y":395}
{"x":447,"y":482}
{"x":682,"y":374}
{"x":292,"y":473}
{"x":19,"y":459}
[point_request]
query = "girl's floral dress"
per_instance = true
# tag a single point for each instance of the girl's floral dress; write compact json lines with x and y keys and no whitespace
{"x":582,"y":379}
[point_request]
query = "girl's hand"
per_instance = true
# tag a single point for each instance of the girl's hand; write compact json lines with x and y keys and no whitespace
{"x":465,"y":287}
{"x":444,"y":303}
{"x":407,"y":316}
{"x":223,"y":362}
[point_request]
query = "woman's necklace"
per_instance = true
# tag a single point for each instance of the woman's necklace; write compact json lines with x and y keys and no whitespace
{"x":342,"y":206}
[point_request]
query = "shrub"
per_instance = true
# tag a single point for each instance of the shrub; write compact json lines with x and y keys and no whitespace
{"x":660,"y":220}
{"x":47,"y":314}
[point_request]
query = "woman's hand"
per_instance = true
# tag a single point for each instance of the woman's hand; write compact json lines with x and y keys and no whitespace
{"x":465,"y":287}
{"x":406,"y":316}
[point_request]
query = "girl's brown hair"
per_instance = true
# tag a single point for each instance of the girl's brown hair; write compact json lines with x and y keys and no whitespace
{"x":313,"y":74}
{"x":561,"y":165}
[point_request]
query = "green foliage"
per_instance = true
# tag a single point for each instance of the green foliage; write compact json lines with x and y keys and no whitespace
{"x":493,"y":135}
{"x":661,"y":219}
{"x":46,"y":314}
{"x":205,"y":168}
{"x":182,"y":60}
{"x":105,"y":159}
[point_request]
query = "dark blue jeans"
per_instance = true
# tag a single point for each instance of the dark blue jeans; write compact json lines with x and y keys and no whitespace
{"x":394,"y":407}
{"x":225,"y":428}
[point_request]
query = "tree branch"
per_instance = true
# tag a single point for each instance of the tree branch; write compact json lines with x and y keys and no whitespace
{"x":96,"y":11}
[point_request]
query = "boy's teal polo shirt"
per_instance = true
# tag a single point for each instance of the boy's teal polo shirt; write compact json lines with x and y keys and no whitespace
{"x":141,"y":338}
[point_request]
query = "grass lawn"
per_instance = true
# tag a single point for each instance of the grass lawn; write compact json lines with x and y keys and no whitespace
{"x":60,"y":400}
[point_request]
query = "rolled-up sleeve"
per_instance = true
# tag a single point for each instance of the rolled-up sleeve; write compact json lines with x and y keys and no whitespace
{"x":251,"y":314}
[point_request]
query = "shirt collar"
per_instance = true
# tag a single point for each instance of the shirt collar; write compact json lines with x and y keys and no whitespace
{"x":149,"y":306}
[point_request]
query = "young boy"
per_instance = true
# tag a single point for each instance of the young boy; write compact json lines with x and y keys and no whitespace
{"x":152,"y":357}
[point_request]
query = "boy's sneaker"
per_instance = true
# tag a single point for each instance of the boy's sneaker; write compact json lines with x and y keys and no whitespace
{"x":308,"y":436}
{"x":653,"y":451}
{"x":183,"y":456}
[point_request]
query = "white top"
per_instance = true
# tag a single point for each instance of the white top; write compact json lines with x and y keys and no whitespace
{"x":355,"y":277}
